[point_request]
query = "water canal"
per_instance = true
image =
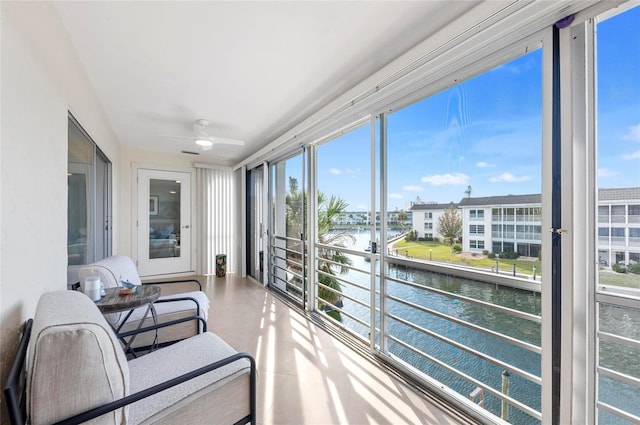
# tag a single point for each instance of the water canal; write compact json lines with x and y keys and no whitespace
{"x":521,"y":389}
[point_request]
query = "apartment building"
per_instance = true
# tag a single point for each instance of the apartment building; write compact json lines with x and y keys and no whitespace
{"x":510,"y":223}
{"x":425,"y":218}
{"x":619,"y":226}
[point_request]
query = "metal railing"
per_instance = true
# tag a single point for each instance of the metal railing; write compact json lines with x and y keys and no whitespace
{"x":619,"y":315}
{"x":406,"y":335}
{"x":287,"y":265}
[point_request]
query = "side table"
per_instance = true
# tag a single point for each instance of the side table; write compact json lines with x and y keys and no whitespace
{"x":113,"y":302}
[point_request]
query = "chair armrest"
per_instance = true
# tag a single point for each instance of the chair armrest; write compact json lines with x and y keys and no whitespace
{"x":162,"y":282}
{"x":106,"y":408}
{"x":164,"y":325}
{"x":168,"y":300}
{"x":15,"y":385}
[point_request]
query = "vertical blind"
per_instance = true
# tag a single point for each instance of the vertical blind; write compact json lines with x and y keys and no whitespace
{"x":216,"y":216}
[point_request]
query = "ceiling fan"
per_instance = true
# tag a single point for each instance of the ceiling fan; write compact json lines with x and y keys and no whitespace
{"x":202,"y":138}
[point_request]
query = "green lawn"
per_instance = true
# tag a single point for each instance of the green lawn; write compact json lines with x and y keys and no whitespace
{"x":439,"y":252}
{"x":630,"y":280}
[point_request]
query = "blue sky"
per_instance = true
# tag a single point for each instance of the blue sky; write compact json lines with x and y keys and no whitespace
{"x":486,"y":132}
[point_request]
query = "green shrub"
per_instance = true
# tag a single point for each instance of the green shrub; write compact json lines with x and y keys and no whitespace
{"x":634,"y":268}
{"x":509,"y":255}
{"x":456,"y":247}
{"x":619,"y":268}
{"x":491,"y":255}
{"x":485,"y":252}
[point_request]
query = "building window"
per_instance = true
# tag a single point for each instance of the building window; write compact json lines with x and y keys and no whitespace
{"x":634,"y":214}
{"x":474,"y":244}
{"x":476,"y":214}
{"x":618,"y":214}
{"x":476,"y":229}
{"x":428,"y":226}
{"x":617,"y":232}
{"x":428,"y":216}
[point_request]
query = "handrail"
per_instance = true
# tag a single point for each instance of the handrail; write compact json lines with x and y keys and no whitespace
{"x":506,"y":338}
{"x":346,"y":281}
{"x":357,"y":301}
{"x":629,"y":342}
{"x":522,"y":373}
{"x":530,"y":411}
{"x":506,"y":310}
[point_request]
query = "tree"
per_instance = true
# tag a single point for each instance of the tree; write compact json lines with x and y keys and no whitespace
{"x":328,"y":213}
{"x":449,"y":225}
{"x":402,"y":217}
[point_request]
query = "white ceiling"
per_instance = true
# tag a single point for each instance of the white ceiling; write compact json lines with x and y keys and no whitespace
{"x":253,"y":69}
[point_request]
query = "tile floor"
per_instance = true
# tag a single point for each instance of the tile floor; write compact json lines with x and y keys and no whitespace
{"x":305,"y":376}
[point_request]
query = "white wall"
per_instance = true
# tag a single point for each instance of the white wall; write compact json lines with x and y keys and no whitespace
{"x":41,"y":80}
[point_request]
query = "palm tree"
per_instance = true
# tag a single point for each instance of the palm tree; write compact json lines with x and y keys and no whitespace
{"x":402,"y":217}
{"x":328,"y":211}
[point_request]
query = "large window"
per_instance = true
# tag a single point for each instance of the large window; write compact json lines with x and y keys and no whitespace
{"x":288,"y":247}
{"x":477,"y":138}
{"x":88,"y":201}
{"x":618,"y":187}
{"x":344,"y":252}
{"x":458,"y":147}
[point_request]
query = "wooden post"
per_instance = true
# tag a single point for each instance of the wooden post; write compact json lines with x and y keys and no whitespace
{"x":504,"y":411}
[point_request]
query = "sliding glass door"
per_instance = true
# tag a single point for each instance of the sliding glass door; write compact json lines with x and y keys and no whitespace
{"x":88,"y":201}
{"x":256,"y":222}
{"x":288,"y":240}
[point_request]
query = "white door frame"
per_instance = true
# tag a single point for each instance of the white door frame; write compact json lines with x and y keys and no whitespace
{"x":135,"y":167}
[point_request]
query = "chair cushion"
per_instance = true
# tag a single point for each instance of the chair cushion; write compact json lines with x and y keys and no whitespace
{"x":111,"y":271}
{"x":75,"y":362}
{"x":223,"y":405}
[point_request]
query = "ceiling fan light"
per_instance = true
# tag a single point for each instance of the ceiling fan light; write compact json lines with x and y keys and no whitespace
{"x":204,"y":142}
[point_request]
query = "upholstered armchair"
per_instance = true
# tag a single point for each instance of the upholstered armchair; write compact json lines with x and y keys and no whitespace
{"x":70,"y":368}
{"x":169,"y":308}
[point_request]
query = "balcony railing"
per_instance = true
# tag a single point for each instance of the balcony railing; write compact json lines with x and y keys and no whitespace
{"x":618,"y":376}
{"x":288,"y":257}
{"x":441,"y":336}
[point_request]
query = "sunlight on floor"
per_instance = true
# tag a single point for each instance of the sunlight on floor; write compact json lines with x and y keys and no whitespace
{"x":305,"y":376}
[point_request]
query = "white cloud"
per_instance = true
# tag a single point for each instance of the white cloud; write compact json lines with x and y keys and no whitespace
{"x":633,"y":134}
{"x":633,"y":155}
{"x":442,"y":179}
{"x":413,"y":188}
{"x":395,"y":196}
{"x":338,"y":171}
{"x":509,"y":178}
{"x":605,"y":172}
{"x":483,"y":164}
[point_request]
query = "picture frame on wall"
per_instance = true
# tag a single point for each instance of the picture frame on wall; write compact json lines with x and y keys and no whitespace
{"x":154,"y":200}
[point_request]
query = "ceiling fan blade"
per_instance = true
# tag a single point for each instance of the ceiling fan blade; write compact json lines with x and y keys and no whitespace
{"x":226,"y":141}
